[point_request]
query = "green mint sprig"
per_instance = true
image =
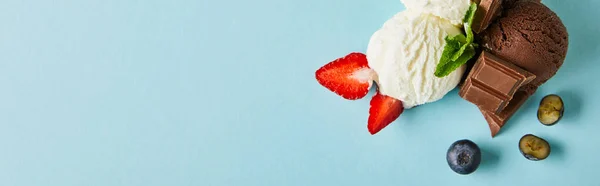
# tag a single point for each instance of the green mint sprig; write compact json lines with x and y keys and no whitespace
{"x":459,"y":48}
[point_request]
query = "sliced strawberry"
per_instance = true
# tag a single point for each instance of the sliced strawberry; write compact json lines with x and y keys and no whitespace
{"x":384,"y":110}
{"x":349,"y":77}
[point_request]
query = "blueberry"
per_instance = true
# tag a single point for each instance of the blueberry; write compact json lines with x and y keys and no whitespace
{"x":551,"y":110}
{"x":463,"y":156}
{"x":534,"y":148}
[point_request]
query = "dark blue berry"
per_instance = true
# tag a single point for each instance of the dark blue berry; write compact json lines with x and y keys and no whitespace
{"x":463,"y":156}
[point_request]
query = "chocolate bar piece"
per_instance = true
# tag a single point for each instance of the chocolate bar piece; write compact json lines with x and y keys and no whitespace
{"x":486,"y":12}
{"x":492,"y":83}
{"x":497,"y":121}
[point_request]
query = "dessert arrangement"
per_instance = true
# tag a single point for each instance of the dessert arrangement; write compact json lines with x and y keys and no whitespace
{"x":498,"y":51}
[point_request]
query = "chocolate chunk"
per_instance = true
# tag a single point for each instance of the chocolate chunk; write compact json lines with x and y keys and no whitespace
{"x":497,"y":121}
{"x":492,"y":83}
{"x":483,"y":96}
{"x":487,"y":11}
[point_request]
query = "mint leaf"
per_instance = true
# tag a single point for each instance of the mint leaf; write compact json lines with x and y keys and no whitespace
{"x":469,"y":53}
{"x":461,"y":39}
{"x":460,"y":51}
{"x":470,"y":15}
{"x":457,"y":42}
{"x":468,"y":42}
{"x":451,"y":48}
{"x":450,"y":67}
{"x":470,"y":35}
{"x":468,"y":21}
{"x":459,"y":48}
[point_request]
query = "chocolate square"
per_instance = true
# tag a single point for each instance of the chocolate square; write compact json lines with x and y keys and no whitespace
{"x":476,"y":92}
{"x":497,"y":121}
{"x":492,"y":83}
{"x":487,"y":11}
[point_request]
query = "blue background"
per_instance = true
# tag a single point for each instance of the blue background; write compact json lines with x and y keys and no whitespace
{"x":216,"y":93}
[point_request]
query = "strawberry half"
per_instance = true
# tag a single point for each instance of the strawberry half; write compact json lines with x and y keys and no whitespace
{"x":349,"y":77}
{"x":384,"y":110}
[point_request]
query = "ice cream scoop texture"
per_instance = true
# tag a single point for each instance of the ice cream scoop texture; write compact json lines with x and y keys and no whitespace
{"x":405,"y":52}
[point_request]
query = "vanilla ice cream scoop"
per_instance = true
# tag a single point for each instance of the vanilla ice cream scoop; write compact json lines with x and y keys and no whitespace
{"x":405,"y":52}
{"x":453,"y":10}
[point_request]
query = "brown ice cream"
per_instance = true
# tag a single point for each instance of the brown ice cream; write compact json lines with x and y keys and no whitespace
{"x":529,"y":35}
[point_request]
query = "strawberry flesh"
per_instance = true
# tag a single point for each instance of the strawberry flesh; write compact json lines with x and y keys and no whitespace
{"x":349,"y":76}
{"x":384,"y":110}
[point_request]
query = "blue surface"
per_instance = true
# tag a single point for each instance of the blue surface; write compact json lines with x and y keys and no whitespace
{"x":222,"y":93}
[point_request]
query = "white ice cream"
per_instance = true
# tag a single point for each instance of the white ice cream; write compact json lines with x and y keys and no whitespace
{"x":405,"y":52}
{"x":453,"y":10}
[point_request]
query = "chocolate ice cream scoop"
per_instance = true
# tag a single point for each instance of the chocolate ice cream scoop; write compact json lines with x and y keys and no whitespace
{"x":527,"y":38}
{"x":531,"y":36}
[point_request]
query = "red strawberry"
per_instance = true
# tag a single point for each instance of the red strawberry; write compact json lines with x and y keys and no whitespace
{"x":384,"y":110}
{"x":349,"y":77}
